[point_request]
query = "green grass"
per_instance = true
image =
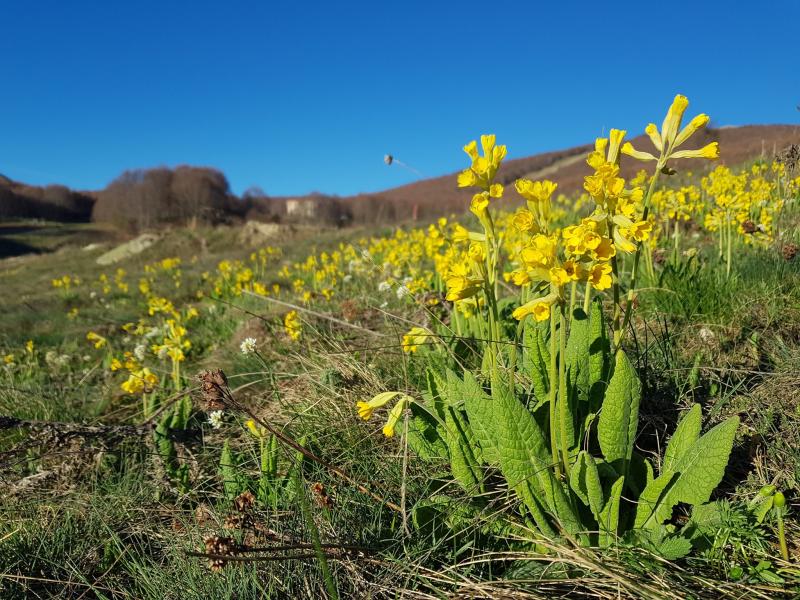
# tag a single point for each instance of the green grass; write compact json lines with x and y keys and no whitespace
{"x":107,"y":523}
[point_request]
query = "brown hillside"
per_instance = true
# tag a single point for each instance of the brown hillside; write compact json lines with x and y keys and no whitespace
{"x":440,"y":195}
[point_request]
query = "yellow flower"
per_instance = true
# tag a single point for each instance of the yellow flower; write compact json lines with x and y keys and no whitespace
{"x":8,"y":359}
{"x":293,"y":325}
{"x":672,"y":136}
{"x":29,"y":346}
{"x":709,"y":151}
{"x":460,"y":287}
{"x":523,"y":220}
{"x":479,"y":204}
{"x":365,"y":409}
{"x":98,"y":340}
{"x":415,"y":337}
{"x":256,"y":431}
{"x":600,"y":276}
{"x":539,"y":308}
{"x":559,"y":277}
{"x":394,"y":416}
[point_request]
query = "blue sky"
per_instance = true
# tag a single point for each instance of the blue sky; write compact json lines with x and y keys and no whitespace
{"x":297,"y":96}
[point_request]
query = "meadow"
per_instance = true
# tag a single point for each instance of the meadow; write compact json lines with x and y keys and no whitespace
{"x":594,"y":395}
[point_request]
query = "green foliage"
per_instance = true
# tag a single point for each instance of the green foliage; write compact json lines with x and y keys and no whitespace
{"x":494,"y":425}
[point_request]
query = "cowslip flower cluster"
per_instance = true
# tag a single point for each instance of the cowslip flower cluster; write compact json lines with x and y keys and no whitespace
{"x":293,"y":325}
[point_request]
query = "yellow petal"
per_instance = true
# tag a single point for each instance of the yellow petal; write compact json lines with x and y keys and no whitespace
{"x":628,"y":149}
{"x":472,"y":149}
{"x":710,"y":151}
{"x":652,"y":131}
{"x":698,"y":122}
{"x":672,"y":121}
{"x":615,"y":139}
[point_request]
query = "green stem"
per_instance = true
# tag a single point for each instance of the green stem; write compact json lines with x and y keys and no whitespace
{"x":782,"y":538}
{"x":562,"y":389}
{"x":619,"y":333}
{"x":729,"y":254}
{"x":587,"y":298}
{"x":572,"y":294}
{"x":553,"y":377}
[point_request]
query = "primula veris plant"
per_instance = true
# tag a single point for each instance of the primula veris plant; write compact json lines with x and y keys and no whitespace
{"x":552,"y":408}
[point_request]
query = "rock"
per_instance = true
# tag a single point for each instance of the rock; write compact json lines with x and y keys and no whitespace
{"x":128,"y":249}
{"x":254,"y":233}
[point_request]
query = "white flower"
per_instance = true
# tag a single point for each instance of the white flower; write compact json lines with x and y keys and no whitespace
{"x":403,"y":291}
{"x":384,"y":286}
{"x":215,"y":419}
{"x":407,"y":280}
{"x":248,"y":346}
{"x":51,"y":358}
{"x":384,"y":305}
{"x":366,"y":255}
{"x":140,"y":351}
{"x":347,"y":278}
{"x":93,"y":295}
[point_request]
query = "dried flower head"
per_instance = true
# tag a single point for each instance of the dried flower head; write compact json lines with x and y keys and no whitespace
{"x":214,"y":387}
{"x":219,"y":547}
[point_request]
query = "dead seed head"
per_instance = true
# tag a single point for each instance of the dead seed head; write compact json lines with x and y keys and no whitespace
{"x":214,"y":388}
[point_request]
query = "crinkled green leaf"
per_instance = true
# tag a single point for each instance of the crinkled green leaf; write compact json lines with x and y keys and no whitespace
{"x":585,"y":482}
{"x":536,"y":358}
{"x":686,"y":434}
{"x":462,"y":447}
{"x":423,"y":435}
{"x":609,"y":517}
{"x":526,"y":463}
{"x":697,"y":473}
{"x":480,"y":411}
{"x":616,"y":428}
{"x":598,"y":356}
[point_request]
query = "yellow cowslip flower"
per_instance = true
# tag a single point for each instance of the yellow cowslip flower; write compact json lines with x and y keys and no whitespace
{"x":600,"y":276}
{"x":365,"y":409}
{"x":8,"y":359}
{"x":394,"y":415}
{"x":460,"y":287}
{"x":483,"y":169}
{"x":479,"y":204}
{"x":257,"y":432}
{"x":140,"y":381}
{"x":415,"y":337}
{"x":293,"y":325}
{"x":671,"y":137}
{"x":709,"y":151}
{"x":98,"y":340}
{"x":559,"y":277}
{"x":539,"y":308}
{"x":640,"y":231}
{"x":72,"y":314}
{"x":535,"y":191}
{"x":116,"y":364}
{"x":605,"y":250}
{"x":477,"y":252}
{"x":29,"y":346}
{"x":573,"y":270}
{"x":523,"y":220}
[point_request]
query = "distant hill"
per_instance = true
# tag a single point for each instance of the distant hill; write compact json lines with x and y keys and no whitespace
{"x":142,"y":199}
{"x":441,"y":196}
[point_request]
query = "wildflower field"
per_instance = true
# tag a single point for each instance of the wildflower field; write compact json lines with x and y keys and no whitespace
{"x":591,"y":396}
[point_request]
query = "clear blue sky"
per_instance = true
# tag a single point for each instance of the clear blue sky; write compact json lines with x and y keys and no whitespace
{"x":296,"y":96}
